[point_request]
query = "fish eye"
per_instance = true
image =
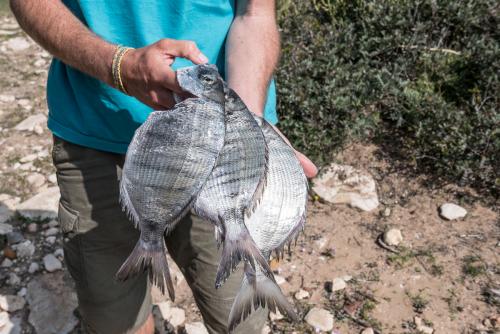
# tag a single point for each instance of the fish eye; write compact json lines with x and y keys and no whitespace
{"x":208,"y":79}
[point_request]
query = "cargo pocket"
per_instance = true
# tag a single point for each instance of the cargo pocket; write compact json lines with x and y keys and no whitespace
{"x":68,"y":219}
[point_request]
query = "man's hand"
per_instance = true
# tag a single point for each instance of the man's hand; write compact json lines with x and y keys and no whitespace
{"x":147,"y":75}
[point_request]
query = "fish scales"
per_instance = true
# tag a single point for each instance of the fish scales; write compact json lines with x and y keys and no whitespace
{"x":233,"y":187}
{"x":169,"y":159}
{"x":275,"y":222}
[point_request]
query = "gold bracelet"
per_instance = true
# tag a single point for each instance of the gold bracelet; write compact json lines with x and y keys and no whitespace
{"x":116,"y":67}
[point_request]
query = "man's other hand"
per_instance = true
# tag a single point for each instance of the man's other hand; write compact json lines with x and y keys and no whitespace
{"x":147,"y":74}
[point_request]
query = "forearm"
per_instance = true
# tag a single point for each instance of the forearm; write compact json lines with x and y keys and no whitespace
{"x":252,"y":52}
{"x":65,"y":37}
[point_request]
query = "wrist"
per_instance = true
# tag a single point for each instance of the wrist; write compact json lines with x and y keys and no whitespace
{"x":116,"y":68}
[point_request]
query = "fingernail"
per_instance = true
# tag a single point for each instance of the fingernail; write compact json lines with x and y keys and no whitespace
{"x":203,"y":58}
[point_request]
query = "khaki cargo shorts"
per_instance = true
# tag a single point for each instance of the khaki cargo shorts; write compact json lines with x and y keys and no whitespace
{"x":100,"y":238}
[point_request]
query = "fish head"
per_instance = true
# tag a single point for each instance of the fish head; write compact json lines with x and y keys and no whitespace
{"x":202,"y":81}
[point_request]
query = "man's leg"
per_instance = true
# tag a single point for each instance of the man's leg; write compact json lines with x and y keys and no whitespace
{"x":193,"y":247}
{"x":100,"y":238}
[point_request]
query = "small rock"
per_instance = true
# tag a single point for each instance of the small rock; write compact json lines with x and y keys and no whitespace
{"x":13,"y":280}
{"x":28,"y":158}
{"x":24,"y":249}
{"x":59,"y":252}
{"x":393,"y":237}
{"x":51,"y":231}
{"x":35,"y":179}
{"x":338,"y":284}
{"x":279,"y":279}
{"x":421,"y":327}
{"x":452,"y":211}
{"x":38,"y":129}
{"x":386,"y":213}
{"x":30,"y":122}
{"x":265,"y":330}
{"x":14,"y":237}
{"x":5,"y":228}
{"x":9,"y":253}
{"x":9,"y":324}
{"x":320,"y":319}
{"x":44,"y":205}
{"x":52,"y":178}
{"x":17,"y":44}
{"x":11,"y":303}
{"x":342,"y":184}
{"x":51,"y":263}
{"x":52,"y":223}
{"x":301,"y":294}
{"x":347,"y":278}
{"x":33,"y":268}
{"x":6,"y":263}
{"x":196,"y":328}
{"x":368,"y":330}
{"x":275,"y":316}
{"x":7,"y":98}
{"x":321,"y":243}
{"x":39,"y":63}
{"x":175,"y":316}
{"x":32,"y":228}
{"x":22,"y":292}
{"x":51,"y":240}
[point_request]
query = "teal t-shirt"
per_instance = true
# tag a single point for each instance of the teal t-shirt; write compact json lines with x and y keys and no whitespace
{"x":85,"y":111}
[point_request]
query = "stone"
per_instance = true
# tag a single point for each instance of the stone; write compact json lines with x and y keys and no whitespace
{"x":13,"y":279}
{"x":14,"y":237}
{"x":174,"y":315}
{"x":392,"y":237}
{"x":421,"y":327}
{"x":301,"y":294}
{"x":196,"y":328}
{"x":5,"y":229}
{"x":6,"y":263}
{"x":38,"y":129}
{"x":25,"y":249}
{"x":7,"y":208}
{"x":35,"y":180}
{"x":22,"y":292}
{"x":338,"y":284}
{"x":39,"y":63}
{"x":42,"y":206}
{"x":32,"y":228}
{"x":17,"y":44}
{"x":11,"y":303}
{"x":51,"y":297}
{"x":59,"y":252}
{"x":452,"y":211}
{"x":51,"y":240}
{"x":9,"y":324}
{"x":25,"y":103}
{"x":341,"y":184}
{"x":4,"y":98}
{"x":265,"y":330}
{"x":33,"y":268}
{"x":9,"y":253}
{"x":279,"y":279}
{"x":347,"y":278}
{"x":53,"y":223}
{"x":51,"y":263}
{"x":52,"y":178}
{"x":51,"y":231}
{"x":275,"y":316}
{"x":368,"y":330}
{"x":320,"y":319}
{"x":28,"y":158}
{"x":29,"y":123}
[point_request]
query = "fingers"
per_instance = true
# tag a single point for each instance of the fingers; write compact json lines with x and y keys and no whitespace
{"x":161,"y":100}
{"x":309,"y":167}
{"x":184,"y":49}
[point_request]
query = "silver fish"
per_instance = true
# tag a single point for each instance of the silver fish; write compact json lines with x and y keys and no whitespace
{"x":169,"y":159}
{"x":276,"y":221}
{"x":234,"y":188}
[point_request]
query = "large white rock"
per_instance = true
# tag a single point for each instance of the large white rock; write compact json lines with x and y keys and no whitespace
{"x":31,"y":122}
{"x":7,"y":207}
{"x":174,"y":315}
{"x":320,"y":319}
{"x":51,"y":301}
{"x":11,"y":303}
{"x":42,"y":206}
{"x":452,"y":211}
{"x":196,"y":328}
{"x":17,"y":44}
{"x":341,"y":184}
{"x":9,"y":324}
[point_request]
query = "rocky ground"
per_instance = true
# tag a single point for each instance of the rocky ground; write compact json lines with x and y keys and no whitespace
{"x":387,"y":257}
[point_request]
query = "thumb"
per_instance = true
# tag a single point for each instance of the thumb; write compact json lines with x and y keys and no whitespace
{"x":309,"y":167}
{"x":184,"y":49}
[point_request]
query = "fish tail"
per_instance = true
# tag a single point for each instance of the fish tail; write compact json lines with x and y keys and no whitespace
{"x":150,"y":257}
{"x":235,"y":249}
{"x":253,"y":295}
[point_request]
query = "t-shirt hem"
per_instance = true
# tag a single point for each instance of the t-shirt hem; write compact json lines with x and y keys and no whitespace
{"x":81,"y":139}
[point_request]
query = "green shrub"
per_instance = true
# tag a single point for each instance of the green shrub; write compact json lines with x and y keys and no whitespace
{"x":419,"y":77}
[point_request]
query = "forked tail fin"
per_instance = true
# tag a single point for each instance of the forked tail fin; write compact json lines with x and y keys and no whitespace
{"x":254,"y":294}
{"x":151,"y":258}
{"x":238,"y":248}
